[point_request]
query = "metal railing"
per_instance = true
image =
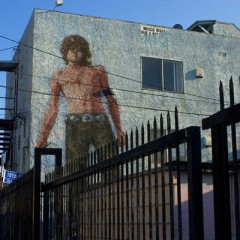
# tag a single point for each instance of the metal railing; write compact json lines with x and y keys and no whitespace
{"x":17,"y":209}
{"x":223,"y":126}
{"x":146,"y":186}
{"x":135,"y":194}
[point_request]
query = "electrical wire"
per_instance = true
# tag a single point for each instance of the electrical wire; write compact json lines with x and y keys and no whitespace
{"x":116,"y":89}
{"x":107,"y":72}
{"x":5,"y":49}
{"x":122,"y":105}
{"x":7,"y":98}
{"x":26,"y":45}
{"x":130,"y":91}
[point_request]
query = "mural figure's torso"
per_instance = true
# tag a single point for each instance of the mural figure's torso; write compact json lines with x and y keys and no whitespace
{"x":82,"y":86}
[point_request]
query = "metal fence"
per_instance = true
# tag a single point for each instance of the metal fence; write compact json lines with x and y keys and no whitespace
{"x":146,"y":186}
{"x":224,"y":127}
{"x":17,"y":209}
{"x":135,"y":194}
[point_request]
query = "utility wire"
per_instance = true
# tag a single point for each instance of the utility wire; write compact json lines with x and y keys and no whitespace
{"x":7,"y":98}
{"x":89,"y":100}
{"x":1,"y":50}
{"x":130,"y":91}
{"x":113,"y":74}
{"x":26,"y":45}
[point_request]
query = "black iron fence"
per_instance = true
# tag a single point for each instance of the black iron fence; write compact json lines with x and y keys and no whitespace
{"x":146,"y":186}
{"x":17,"y":209}
{"x":225,"y":159}
{"x":135,"y":194}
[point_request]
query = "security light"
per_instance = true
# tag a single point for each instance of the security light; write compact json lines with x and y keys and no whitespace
{"x":59,"y":3}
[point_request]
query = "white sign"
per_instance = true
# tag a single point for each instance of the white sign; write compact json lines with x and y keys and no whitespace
{"x":150,"y":30}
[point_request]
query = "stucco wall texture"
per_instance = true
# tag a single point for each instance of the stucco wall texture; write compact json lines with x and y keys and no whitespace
{"x":119,"y":46}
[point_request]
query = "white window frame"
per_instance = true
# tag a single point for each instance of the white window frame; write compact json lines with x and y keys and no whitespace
{"x":175,"y":90}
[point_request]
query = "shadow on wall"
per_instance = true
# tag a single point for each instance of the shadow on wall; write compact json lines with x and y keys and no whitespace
{"x":191,"y":75}
{"x":208,"y":213}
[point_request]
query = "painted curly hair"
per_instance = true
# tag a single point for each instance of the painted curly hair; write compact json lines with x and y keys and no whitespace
{"x":72,"y":42}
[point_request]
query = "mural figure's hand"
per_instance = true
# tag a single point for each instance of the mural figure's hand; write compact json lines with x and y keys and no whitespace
{"x":41,"y":143}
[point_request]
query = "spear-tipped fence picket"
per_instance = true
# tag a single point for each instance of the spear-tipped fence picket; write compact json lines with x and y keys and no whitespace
{"x":146,"y":185}
{"x":131,"y":192}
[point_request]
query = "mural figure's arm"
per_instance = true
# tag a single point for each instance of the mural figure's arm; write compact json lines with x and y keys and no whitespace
{"x":112,"y":103}
{"x":50,"y":114}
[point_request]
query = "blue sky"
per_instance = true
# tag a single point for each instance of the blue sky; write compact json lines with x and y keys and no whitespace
{"x":15,"y":14}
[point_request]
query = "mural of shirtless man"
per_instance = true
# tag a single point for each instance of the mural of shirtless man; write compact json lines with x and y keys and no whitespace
{"x":82,"y":85}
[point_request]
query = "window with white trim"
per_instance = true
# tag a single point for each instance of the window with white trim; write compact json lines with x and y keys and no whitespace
{"x":162,"y":74}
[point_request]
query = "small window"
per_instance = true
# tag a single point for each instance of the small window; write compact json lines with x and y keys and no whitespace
{"x":161,"y":74}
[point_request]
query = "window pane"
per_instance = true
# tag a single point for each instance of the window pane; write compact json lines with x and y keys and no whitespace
{"x":179,"y":76}
{"x":162,"y":74}
{"x":152,"y":73}
{"x":168,"y":68}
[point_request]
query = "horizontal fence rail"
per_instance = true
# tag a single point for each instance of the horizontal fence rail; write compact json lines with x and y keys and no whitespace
{"x":135,"y":194}
{"x":146,"y":185}
{"x":16,"y":209}
{"x":224,"y":127}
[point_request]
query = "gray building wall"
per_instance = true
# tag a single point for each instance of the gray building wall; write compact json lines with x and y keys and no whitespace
{"x":119,"y":46}
{"x":23,"y":78}
{"x":226,"y":29}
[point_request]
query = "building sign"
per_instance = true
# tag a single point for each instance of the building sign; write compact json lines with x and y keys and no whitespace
{"x":10,"y":176}
{"x":150,"y":30}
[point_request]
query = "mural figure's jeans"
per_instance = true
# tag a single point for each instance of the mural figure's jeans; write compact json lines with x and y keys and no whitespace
{"x":82,"y":130}
{"x":85,"y":129}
